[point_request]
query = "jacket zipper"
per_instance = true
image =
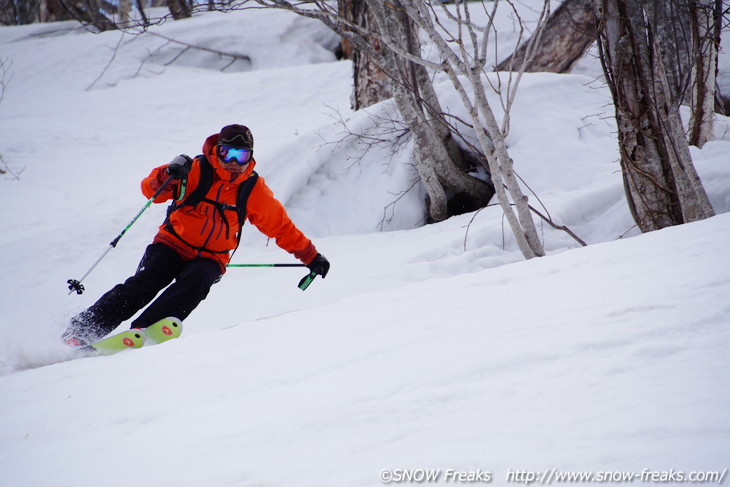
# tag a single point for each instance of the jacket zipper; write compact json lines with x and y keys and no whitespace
{"x":215,"y":222}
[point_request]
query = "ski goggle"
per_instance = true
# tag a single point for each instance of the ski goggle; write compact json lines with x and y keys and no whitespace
{"x":231,"y":154}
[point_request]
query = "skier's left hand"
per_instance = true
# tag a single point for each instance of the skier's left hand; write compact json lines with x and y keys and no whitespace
{"x":319,"y":265}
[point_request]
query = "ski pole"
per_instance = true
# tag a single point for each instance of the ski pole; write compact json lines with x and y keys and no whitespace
{"x":75,"y":285}
{"x":307,"y":280}
{"x":266,"y":265}
{"x":303,"y":284}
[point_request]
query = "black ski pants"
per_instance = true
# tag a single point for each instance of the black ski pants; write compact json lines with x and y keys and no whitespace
{"x":160,"y":265}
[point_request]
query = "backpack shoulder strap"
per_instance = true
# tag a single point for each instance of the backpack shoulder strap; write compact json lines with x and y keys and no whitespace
{"x":244,"y":191}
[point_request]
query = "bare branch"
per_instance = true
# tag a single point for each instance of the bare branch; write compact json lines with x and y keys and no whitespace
{"x":234,"y":56}
{"x":111,"y":60}
{"x":5,"y":169}
{"x":5,"y":76}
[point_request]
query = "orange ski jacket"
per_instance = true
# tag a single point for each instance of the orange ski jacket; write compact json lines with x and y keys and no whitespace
{"x":201,"y":231}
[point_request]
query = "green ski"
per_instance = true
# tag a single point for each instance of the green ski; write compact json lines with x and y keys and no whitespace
{"x":163,"y":330}
{"x":133,"y":338}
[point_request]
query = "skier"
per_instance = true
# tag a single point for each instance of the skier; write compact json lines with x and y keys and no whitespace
{"x":196,"y":241}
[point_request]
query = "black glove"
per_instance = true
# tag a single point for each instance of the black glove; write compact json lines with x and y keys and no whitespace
{"x":179,"y":166}
{"x":319,"y":265}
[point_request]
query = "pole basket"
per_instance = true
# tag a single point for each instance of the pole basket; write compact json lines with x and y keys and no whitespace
{"x":74,"y":285}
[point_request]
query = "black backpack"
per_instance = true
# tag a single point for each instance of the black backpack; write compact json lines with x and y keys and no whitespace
{"x":199,"y":194}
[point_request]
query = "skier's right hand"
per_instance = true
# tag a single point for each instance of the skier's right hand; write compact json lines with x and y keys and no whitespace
{"x":179,"y":166}
{"x":319,"y":265}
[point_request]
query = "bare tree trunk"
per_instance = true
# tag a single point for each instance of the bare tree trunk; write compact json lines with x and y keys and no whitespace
{"x":722,"y":102}
{"x":569,"y":32}
{"x":662,"y":186}
{"x":52,"y":11}
{"x":417,"y":102}
{"x":88,"y":12}
{"x":124,"y":9}
{"x":669,"y":22}
{"x":705,"y":17}
{"x":21,"y":12}
{"x":371,"y":84}
{"x":437,"y":156}
{"x":179,"y":9}
{"x":492,"y":137}
{"x":142,"y":15}
{"x":438,"y":159}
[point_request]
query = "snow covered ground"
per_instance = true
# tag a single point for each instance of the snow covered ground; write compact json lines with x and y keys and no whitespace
{"x":433,"y":347}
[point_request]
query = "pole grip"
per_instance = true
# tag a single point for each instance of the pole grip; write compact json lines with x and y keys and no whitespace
{"x":307,"y":280}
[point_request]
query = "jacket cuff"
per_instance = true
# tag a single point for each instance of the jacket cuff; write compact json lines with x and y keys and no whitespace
{"x":161,"y":177}
{"x":307,"y":254}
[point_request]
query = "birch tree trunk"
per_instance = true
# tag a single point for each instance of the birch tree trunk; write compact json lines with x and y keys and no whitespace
{"x":705,"y":18}
{"x":568,"y":33}
{"x":661,"y":184}
{"x":371,"y":84}
{"x":437,"y":157}
{"x":52,"y":11}
{"x":180,"y":9}
{"x":125,"y":7}
{"x":459,"y":61}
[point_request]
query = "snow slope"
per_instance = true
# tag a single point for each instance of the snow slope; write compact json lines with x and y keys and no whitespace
{"x":431,"y":347}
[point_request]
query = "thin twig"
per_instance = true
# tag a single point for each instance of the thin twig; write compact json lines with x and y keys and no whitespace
{"x":233,"y":55}
{"x":558,"y":227}
{"x":6,"y":169}
{"x":111,"y":60}
{"x":5,"y":76}
{"x":392,"y":204}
